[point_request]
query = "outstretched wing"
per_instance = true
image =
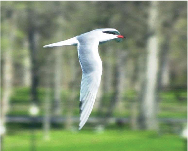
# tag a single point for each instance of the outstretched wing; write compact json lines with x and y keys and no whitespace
{"x":91,"y":76}
{"x":89,"y":87}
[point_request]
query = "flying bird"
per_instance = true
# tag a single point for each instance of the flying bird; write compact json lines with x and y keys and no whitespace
{"x":91,"y":64}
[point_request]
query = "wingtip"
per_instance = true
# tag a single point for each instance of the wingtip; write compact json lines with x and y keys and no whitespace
{"x":80,"y":127}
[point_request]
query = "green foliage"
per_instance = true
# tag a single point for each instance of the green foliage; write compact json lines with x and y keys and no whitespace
{"x":170,"y":105}
{"x":22,"y":95}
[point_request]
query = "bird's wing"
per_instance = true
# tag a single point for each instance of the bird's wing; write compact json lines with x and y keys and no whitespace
{"x":89,"y":88}
{"x":91,"y":76}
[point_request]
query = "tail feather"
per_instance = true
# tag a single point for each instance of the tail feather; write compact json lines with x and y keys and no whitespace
{"x":68,"y":42}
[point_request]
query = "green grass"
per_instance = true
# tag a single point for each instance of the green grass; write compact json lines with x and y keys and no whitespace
{"x":109,"y":140}
{"x":19,"y":137}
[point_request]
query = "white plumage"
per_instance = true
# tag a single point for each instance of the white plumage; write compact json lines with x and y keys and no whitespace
{"x":91,"y":64}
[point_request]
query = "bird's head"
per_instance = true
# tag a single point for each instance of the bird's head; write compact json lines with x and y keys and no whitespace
{"x":107,"y":34}
{"x":100,"y":36}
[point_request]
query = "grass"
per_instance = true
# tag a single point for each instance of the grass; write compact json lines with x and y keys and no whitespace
{"x":19,"y":136}
{"x":111,"y":140}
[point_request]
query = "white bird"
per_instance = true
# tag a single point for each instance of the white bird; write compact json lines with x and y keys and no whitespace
{"x":91,"y":64}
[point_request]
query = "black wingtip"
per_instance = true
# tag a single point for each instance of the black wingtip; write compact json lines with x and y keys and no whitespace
{"x":80,"y":105}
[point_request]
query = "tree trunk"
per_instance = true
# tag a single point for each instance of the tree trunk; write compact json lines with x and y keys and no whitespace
{"x":26,"y":66}
{"x":148,"y":102}
{"x":33,"y":39}
{"x":7,"y":81}
{"x":7,"y":77}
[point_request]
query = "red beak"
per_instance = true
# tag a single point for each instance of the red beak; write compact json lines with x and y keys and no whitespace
{"x":120,"y":36}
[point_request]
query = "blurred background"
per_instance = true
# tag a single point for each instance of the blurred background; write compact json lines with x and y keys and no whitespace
{"x":142,"y":100}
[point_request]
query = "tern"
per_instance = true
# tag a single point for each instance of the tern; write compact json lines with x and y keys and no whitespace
{"x":91,"y":65}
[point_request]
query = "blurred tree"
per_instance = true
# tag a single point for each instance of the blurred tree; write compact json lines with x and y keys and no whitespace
{"x":26,"y":65}
{"x":59,"y":58}
{"x":140,"y":63}
{"x":119,"y":87}
{"x":8,"y":28}
{"x":37,"y":18}
{"x":178,"y":46}
{"x":172,"y":11}
{"x":8,"y":32}
{"x":148,"y":102}
{"x":33,"y":36}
